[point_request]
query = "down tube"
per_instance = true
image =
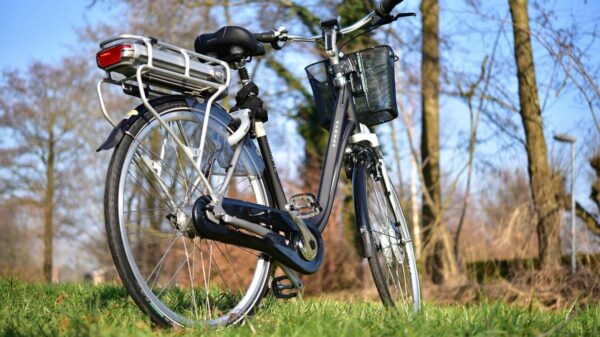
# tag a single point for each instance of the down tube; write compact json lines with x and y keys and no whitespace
{"x":342,"y":125}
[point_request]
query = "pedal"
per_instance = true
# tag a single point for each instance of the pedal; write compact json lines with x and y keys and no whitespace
{"x":304,"y":205}
{"x":283,"y":287}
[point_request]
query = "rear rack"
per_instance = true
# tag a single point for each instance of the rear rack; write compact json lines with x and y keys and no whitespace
{"x":149,"y":68}
{"x":161,"y":69}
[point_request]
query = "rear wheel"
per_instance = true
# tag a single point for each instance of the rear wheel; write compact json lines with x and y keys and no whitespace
{"x":174,"y":275}
{"x":392,"y":260}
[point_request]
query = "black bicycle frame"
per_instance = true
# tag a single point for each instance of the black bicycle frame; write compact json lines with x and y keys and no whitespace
{"x":278,"y":219}
{"x":342,"y":126}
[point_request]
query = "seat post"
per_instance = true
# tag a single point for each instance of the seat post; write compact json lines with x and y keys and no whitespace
{"x":243,"y":73}
{"x":279,"y":199}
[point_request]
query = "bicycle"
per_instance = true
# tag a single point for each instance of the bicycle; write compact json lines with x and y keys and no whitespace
{"x":196,"y":217}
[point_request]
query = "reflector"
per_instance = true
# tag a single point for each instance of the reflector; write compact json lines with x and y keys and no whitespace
{"x":111,"y":56}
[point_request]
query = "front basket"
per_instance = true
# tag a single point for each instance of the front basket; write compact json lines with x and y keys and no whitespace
{"x":372,"y":81}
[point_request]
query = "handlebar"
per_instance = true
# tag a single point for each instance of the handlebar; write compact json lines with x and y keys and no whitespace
{"x":383,"y":10}
{"x":267,"y":37}
{"x":282,"y":35}
{"x":385,"y":7}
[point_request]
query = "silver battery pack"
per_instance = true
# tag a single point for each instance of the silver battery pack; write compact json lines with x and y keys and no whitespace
{"x":161,"y":66}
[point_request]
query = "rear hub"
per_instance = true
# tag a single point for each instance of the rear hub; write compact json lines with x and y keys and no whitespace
{"x":183,"y":223}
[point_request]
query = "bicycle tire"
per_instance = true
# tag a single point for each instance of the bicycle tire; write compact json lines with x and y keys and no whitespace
{"x":389,"y":238}
{"x":130,"y":265}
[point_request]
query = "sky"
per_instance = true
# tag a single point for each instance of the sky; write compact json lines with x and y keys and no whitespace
{"x":42,"y":30}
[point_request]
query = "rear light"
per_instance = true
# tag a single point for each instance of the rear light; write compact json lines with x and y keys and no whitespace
{"x":111,"y":56}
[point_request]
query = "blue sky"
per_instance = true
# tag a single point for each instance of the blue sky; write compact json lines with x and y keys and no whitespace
{"x":42,"y":30}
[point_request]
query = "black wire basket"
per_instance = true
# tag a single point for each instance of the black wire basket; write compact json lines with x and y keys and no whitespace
{"x":372,"y":81}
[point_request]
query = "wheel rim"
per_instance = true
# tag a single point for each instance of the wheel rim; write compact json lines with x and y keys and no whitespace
{"x":215,"y":293}
{"x":394,"y":251}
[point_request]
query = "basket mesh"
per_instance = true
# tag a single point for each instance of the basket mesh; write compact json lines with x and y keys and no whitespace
{"x":372,"y":82}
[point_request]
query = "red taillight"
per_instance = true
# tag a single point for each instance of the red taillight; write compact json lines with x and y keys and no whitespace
{"x":111,"y":56}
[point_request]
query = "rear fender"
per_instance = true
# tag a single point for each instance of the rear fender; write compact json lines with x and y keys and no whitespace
{"x":120,"y":130}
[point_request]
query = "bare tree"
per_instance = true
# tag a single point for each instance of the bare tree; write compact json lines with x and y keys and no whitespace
{"x":17,"y":253}
{"x":567,"y":64}
{"x":543,"y":182}
{"x":430,"y":146}
{"x":45,"y":112}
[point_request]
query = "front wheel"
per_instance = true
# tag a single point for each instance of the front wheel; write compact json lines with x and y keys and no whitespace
{"x":391,"y":257}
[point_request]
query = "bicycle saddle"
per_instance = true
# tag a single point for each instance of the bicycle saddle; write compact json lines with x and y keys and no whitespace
{"x":230,"y":43}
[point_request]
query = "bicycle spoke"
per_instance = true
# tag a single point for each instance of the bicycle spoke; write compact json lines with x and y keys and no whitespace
{"x":196,"y":278}
{"x":168,"y":168}
{"x":178,"y":159}
{"x":162,"y":259}
{"x":187,"y":259}
{"x":157,"y":192}
{"x":170,"y":282}
{"x":219,"y":270}
{"x":228,"y":257}
{"x":206,"y":286}
{"x":147,"y":241}
{"x":391,"y":252}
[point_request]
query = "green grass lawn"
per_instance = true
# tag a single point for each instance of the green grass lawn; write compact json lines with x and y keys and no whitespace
{"x":85,"y":310}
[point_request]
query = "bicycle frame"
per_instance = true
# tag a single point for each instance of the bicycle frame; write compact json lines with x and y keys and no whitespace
{"x":343,"y":124}
{"x":253,"y":217}
{"x":304,"y":253}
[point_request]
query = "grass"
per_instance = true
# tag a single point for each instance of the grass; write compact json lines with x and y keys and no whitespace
{"x":28,"y":309}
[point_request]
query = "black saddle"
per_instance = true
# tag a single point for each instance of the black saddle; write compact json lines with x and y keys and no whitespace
{"x":230,"y":43}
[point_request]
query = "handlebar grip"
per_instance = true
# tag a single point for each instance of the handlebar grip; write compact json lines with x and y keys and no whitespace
{"x":268,"y":37}
{"x":385,"y":7}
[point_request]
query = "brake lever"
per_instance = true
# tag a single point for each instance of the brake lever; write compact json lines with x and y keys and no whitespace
{"x":403,"y":15}
{"x":391,"y":18}
{"x":275,"y":45}
{"x":281,"y":35}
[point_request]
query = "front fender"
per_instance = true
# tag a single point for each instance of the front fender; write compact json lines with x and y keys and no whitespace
{"x":362,"y":160}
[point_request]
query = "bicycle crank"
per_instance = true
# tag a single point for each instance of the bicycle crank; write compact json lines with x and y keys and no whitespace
{"x":278,"y":233}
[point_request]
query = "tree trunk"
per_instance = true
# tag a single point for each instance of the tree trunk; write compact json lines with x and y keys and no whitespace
{"x":587,"y":217}
{"x":49,"y":211}
{"x":595,"y":194}
{"x":430,"y":147}
{"x":542,"y":181}
{"x":590,"y":221}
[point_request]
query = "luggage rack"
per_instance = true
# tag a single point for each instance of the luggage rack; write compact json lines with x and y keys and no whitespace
{"x":160,"y":69}
{"x":149,"y":68}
